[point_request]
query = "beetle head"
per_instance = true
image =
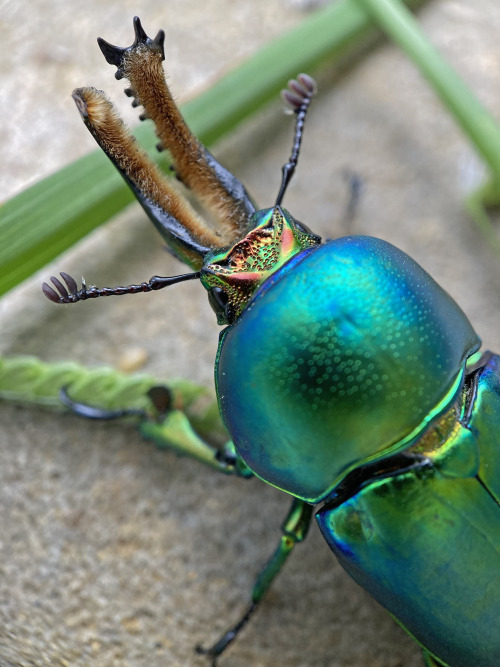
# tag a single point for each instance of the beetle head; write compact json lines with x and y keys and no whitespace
{"x":233,"y":275}
{"x":244,"y":247}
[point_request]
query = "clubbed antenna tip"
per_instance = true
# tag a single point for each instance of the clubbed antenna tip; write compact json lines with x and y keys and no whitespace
{"x":300,"y":90}
{"x":65,"y":295}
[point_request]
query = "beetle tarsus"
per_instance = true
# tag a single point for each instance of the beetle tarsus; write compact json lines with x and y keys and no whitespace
{"x":354,"y":190}
{"x":215,"y":651}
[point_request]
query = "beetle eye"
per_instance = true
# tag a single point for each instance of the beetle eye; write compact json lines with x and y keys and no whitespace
{"x":220,"y":297}
{"x":303,"y":228}
{"x":219,"y":301}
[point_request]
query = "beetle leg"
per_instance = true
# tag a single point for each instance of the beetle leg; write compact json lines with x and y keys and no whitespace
{"x":354,"y":189}
{"x":220,"y":191}
{"x":168,"y":426}
{"x":430,"y":661}
{"x":294,"y":529}
{"x":174,"y":431}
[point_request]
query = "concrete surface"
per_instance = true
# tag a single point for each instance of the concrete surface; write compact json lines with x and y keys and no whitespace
{"x":112,"y":553}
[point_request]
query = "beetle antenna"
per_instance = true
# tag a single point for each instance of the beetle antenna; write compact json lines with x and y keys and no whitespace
{"x":298,"y":97}
{"x":71,"y":293}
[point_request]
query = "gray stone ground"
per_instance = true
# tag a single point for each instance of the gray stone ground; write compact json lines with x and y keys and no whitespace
{"x":112,"y":553}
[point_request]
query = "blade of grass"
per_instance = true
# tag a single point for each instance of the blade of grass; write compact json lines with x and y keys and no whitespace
{"x":47,"y":218}
{"x":476,"y":122}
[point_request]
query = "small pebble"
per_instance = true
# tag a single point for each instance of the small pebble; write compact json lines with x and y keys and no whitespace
{"x":132,"y":359}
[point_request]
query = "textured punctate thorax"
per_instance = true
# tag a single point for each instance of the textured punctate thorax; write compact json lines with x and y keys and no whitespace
{"x":341,"y":355}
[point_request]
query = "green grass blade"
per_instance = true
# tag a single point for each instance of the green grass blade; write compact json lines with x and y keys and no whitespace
{"x":476,"y":122}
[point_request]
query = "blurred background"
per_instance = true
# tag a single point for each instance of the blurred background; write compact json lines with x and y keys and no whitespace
{"x":112,"y":553}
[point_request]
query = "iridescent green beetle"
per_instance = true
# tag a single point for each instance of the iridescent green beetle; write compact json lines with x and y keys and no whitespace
{"x":346,"y":377}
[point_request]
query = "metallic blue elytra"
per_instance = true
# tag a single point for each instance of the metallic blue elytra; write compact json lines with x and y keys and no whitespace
{"x":336,"y":361}
{"x":426,"y":543}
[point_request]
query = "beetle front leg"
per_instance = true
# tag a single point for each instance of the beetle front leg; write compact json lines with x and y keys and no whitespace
{"x":294,"y":529}
{"x":430,"y":661}
{"x":169,"y":427}
{"x":175,"y":432}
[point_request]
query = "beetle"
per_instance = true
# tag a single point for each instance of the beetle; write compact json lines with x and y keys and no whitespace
{"x":345,"y":375}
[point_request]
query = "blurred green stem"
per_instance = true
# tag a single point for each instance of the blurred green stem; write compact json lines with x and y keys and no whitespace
{"x":477,"y":123}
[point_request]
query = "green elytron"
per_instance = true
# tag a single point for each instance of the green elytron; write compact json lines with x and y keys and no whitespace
{"x":345,"y":376}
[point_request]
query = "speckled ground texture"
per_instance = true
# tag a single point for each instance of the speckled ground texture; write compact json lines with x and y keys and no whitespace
{"x":112,"y":553}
